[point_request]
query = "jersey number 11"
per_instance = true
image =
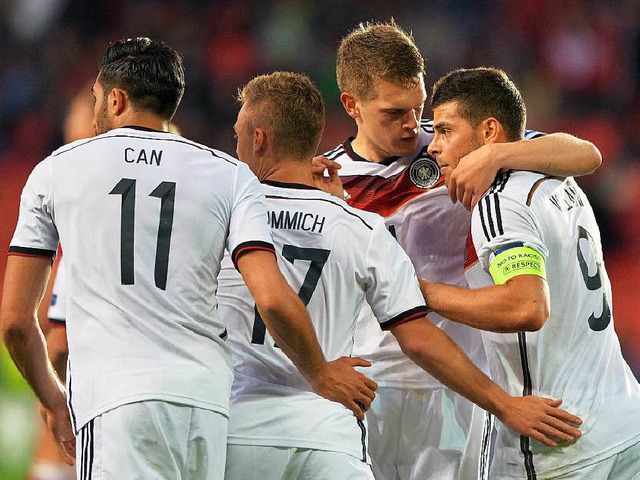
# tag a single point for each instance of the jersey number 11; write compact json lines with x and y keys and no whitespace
{"x":166,"y":192}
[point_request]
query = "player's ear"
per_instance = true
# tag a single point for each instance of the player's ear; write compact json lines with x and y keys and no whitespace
{"x":350,"y":104}
{"x":260,"y":140}
{"x":117,"y":101}
{"x":492,"y":130}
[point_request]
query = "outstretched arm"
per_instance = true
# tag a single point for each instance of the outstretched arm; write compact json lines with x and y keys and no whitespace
{"x":288,"y":322}
{"x":535,"y":417}
{"x":24,"y":286}
{"x":557,"y":154}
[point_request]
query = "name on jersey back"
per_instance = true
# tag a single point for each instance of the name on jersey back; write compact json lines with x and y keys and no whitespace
{"x":151,"y":157}
{"x":288,"y":220}
{"x":566,"y":198}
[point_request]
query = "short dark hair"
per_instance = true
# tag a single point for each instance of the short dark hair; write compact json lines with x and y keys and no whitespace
{"x":290,"y":106}
{"x":150,"y":71}
{"x":481,"y":93}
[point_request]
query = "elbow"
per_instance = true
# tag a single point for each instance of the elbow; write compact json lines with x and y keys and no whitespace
{"x":592,"y":157}
{"x":534,"y":317}
{"x":13,"y":332}
{"x":267,"y":305}
{"x":595,"y":156}
{"x":412,"y":347}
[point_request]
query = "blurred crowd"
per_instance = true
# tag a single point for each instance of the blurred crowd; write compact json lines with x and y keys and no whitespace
{"x":577,"y":63}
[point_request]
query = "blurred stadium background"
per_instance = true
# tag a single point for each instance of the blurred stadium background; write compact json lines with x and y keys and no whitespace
{"x":576,"y":61}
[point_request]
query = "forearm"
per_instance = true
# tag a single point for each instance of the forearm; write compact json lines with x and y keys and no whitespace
{"x":431,"y":349}
{"x":495,"y":308}
{"x":557,"y":154}
{"x":26,"y":346}
{"x":291,"y":328}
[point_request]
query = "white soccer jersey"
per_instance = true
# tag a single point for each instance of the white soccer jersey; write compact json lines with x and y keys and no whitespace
{"x":576,"y":355}
{"x":58,"y":308}
{"x":337,"y":258}
{"x":143,"y":217}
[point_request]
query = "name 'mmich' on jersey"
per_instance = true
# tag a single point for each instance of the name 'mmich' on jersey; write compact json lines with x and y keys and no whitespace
{"x":576,"y":355}
{"x":411,"y":196}
{"x":143,"y":218}
{"x":336,"y":258}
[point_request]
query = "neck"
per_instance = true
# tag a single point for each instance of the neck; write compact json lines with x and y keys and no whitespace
{"x":142,"y":119}
{"x":360,"y":146}
{"x":290,"y":171}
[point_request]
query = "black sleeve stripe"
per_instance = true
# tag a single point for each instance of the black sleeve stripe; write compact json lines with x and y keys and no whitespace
{"x":413,"y":314}
{"x":483,"y":221}
{"x":498,"y":215}
{"x":31,"y":252}
{"x":490,"y":214}
{"x":58,"y":321}
{"x":249,"y":246}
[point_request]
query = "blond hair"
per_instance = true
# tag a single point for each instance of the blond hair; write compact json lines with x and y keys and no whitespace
{"x":375,"y":51}
{"x":290,"y":108}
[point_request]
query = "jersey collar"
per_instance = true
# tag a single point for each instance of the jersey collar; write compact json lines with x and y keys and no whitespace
{"x":298,"y":186}
{"x":144,"y":129}
{"x":354,"y":156}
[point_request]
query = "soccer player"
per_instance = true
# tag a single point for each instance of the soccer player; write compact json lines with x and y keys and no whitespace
{"x":144,"y":217}
{"x":418,"y":428}
{"x":543,"y":297}
{"x":338,"y":258}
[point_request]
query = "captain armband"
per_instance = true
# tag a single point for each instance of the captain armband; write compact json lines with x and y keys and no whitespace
{"x":517,"y":260}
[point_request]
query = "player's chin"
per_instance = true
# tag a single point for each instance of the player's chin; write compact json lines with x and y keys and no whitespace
{"x":406,"y":146}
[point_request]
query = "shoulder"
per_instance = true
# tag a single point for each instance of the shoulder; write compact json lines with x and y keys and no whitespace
{"x":517,"y":186}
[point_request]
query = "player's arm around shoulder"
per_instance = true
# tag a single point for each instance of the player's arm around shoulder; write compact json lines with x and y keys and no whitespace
{"x":288,"y":322}
{"x":557,"y":154}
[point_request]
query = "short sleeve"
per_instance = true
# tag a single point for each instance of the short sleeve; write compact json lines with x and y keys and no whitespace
{"x":36,"y":233}
{"x":248,"y":229}
{"x":393,"y":291}
{"x":498,"y":222}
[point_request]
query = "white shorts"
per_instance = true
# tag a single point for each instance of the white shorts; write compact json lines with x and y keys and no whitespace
{"x":153,"y":440}
{"x":251,"y":462}
{"x":624,"y":465}
{"x":430,"y":434}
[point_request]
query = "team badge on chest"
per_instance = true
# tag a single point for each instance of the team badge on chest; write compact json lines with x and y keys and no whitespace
{"x":424,"y":172}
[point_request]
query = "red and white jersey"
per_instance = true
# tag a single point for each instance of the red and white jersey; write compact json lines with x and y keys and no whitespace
{"x":337,"y":258}
{"x":576,"y":355}
{"x":411,"y":196}
{"x":144,"y":218}
{"x":57,"y":312}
